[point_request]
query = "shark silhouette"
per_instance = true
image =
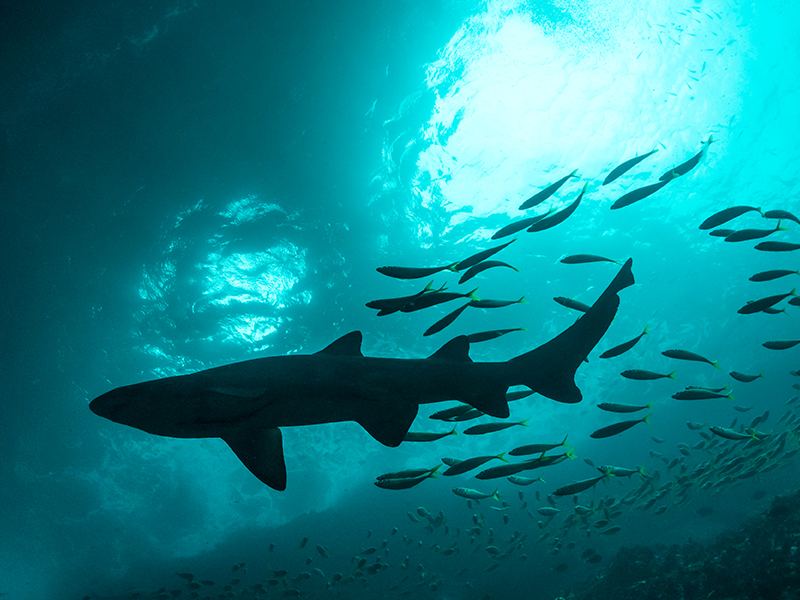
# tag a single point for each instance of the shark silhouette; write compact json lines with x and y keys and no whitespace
{"x":245,"y":403}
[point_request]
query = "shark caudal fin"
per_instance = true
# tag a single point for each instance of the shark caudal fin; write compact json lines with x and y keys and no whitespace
{"x":550,"y":368}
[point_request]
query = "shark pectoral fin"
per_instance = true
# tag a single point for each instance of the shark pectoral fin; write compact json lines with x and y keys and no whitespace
{"x":389,"y":425}
{"x":261,"y":451}
{"x":493,"y":403}
{"x":347,"y":345}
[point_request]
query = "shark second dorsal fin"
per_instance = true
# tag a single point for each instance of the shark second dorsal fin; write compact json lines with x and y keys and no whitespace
{"x":261,"y":451}
{"x":347,"y":345}
{"x":456,"y":350}
{"x":388,"y":424}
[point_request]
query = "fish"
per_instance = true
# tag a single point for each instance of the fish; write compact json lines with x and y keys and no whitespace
{"x":246,"y":403}
{"x":625,"y":346}
{"x":402,"y":483}
{"x":495,"y":303}
{"x":480,"y":257}
{"x":485,"y":428}
{"x":774,"y":274}
{"x":745,"y":378}
{"x":426,"y":436}
{"x":690,"y":164}
{"x":412,"y":272}
{"x":434,"y":298}
{"x":642,"y":375}
{"x":687,"y":355}
{"x":544,"y":194}
{"x":723,"y":233}
{"x":471,"y":494}
{"x":578,"y":486}
{"x":745,"y":235}
{"x":571,"y":303}
{"x":726,"y":215}
{"x":618,"y":428}
{"x":626,"y":166}
{"x":517,"y":480}
{"x":781,"y":214}
{"x":445,"y":320}
{"x":537,"y":448}
{"x":730,"y":434}
{"x":558,"y":217}
{"x":516,"y":226}
{"x":405,"y":474}
{"x":695,"y":426}
{"x":612,"y":471}
{"x":444,"y":415}
{"x":696,"y":394}
{"x":581,"y":259}
{"x":755,"y":306}
{"x":780,"y":344}
{"x":548,"y":511}
{"x":482,"y":266}
{"x":471,"y":463}
{"x":638,"y":194}
{"x":623,"y":408}
{"x":388,"y":306}
{"x":777,"y":246}
{"x":611,"y":530}
{"x":484,"y":336}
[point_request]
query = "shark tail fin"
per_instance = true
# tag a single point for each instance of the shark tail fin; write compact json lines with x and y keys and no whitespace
{"x":550,"y":368}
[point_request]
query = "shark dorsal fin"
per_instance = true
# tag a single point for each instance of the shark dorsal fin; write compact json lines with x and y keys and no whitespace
{"x":261,"y":451}
{"x":347,"y":345}
{"x":456,"y":350}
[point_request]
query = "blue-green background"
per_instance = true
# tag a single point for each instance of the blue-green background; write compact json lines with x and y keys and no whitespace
{"x":185,"y":184}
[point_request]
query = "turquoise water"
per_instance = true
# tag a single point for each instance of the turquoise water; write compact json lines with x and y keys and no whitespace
{"x":190,"y":184}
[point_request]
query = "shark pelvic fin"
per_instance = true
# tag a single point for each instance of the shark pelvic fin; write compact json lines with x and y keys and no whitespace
{"x":347,"y":345}
{"x":456,"y":350}
{"x":261,"y":451}
{"x":389,"y":426}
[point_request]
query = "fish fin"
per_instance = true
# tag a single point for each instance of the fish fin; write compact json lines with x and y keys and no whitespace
{"x":261,"y":451}
{"x":550,"y":368}
{"x":389,"y":425}
{"x":347,"y":345}
{"x":672,"y":375}
{"x":456,"y":350}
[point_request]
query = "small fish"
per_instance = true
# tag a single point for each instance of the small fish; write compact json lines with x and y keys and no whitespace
{"x":742,"y":409}
{"x":612,"y":471}
{"x":781,"y":214}
{"x":745,"y":378}
{"x":578,"y":486}
{"x":434,"y":298}
{"x":404,"y":474}
{"x":516,"y":226}
{"x":495,"y":303}
{"x":774,"y":274}
{"x":780,"y":344}
{"x":548,"y":511}
{"x":723,"y":233}
{"x":517,"y":480}
{"x":623,"y":408}
{"x":471,"y":494}
{"x":755,"y":306}
{"x":426,"y":436}
{"x":611,"y":530}
{"x":402,"y":483}
{"x":777,"y":246}
{"x":484,"y":336}
{"x":730,"y":434}
{"x":471,"y":463}
{"x":388,"y":306}
{"x":622,"y":168}
{"x":696,"y":394}
{"x":413,"y":273}
{"x":482,"y":266}
{"x":642,"y":375}
{"x":690,"y":164}
{"x":582,"y":259}
{"x":544,"y":194}
{"x":686,"y":355}
{"x":695,"y":426}
{"x":572,"y":303}
{"x":467,"y":416}
{"x":445,"y":321}
{"x":624,"y":347}
{"x":480,"y":257}
{"x":726,"y":215}
{"x":444,"y":415}
{"x":638,"y":194}
{"x":617,"y":428}
{"x":537,"y":448}
{"x":745,"y":235}
{"x":558,"y":217}
{"x":485,"y":428}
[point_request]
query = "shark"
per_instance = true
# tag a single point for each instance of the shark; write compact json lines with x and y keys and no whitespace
{"x":246,"y":403}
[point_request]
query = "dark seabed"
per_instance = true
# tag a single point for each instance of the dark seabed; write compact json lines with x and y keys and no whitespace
{"x":188,"y":184}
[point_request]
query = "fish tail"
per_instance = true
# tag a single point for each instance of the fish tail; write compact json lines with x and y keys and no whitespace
{"x":642,"y":471}
{"x":650,"y":406}
{"x":672,"y":375}
{"x":452,"y":267}
{"x":550,"y":368}
{"x":646,"y":329}
{"x":501,"y":456}
{"x":730,"y":396}
{"x":525,"y":422}
{"x":571,"y":454}
{"x":716,"y":366}
{"x":471,"y":295}
{"x":564,"y":441}
{"x":496,"y":495}
{"x":522,"y":300}
{"x":647,"y":418}
{"x":435,"y":469}
{"x":574,"y":173}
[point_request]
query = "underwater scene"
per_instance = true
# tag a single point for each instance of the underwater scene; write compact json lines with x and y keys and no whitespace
{"x":476,"y":299}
